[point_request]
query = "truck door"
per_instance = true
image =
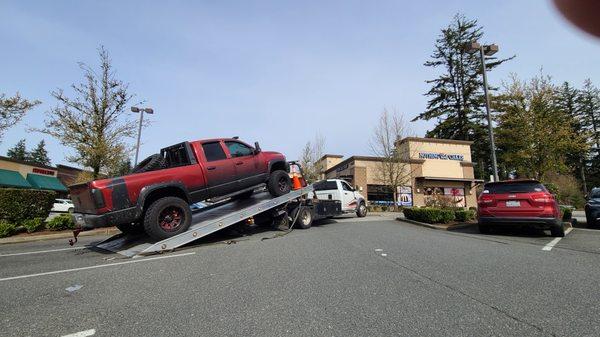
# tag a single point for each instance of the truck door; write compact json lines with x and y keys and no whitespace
{"x":349,"y":201}
{"x":246,"y":164}
{"x":220,"y":170}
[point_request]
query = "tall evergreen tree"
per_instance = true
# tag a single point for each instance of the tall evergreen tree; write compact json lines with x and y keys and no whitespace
{"x":40,"y":154}
{"x":589,"y":110}
{"x":19,"y":151}
{"x":535,"y":135}
{"x":456,"y":98}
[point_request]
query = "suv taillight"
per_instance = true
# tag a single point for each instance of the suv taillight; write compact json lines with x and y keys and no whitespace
{"x":542,"y":198}
{"x":487,"y":200}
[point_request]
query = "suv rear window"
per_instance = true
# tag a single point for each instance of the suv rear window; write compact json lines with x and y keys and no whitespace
{"x":325,"y":185}
{"x":522,"y":187}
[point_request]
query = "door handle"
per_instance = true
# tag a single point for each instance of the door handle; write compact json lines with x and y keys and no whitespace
{"x":239,"y":163}
{"x":346,"y":193}
{"x":210,"y":168}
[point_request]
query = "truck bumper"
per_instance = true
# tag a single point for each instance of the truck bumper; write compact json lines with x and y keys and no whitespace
{"x":91,"y":221}
{"x":534,"y":222}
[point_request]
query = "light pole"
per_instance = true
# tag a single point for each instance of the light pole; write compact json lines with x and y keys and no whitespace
{"x":141,"y":112}
{"x":484,"y":51}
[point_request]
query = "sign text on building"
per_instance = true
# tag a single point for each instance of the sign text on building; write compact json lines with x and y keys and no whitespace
{"x":431,"y":155}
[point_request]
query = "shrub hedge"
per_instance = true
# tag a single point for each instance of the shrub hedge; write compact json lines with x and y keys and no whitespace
{"x":430,"y":215}
{"x":34,"y":225}
{"x":6,"y":228}
{"x":463,"y":215}
{"x":60,"y":222}
{"x":18,"y":205}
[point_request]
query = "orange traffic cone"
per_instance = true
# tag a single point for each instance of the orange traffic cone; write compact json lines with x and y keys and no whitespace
{"x":296,"y":184}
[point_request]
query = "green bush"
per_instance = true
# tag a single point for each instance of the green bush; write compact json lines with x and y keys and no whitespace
{"x":429,"y":215}
{"x":61,"y":222}
{"x":18,"y":205}
{"x":33,"y":225}
{"x":6,"y":228}
{"x":567,"y":213}
{"x":463,"y":215}
{"x":384,"y":208}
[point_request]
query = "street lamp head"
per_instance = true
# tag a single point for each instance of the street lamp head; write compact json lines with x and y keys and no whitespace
{"x":490,"y":50}
{"x":135,"y":109}
{"x":472,"y":47}
{"x":149,"y":111}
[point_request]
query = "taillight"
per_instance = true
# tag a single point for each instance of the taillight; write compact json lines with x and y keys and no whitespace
{"x":487,"y":200}
{"x":542,"y":198}
{"x":98,"y":198}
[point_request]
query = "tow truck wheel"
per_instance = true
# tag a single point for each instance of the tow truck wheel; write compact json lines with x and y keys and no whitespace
{"x":305,"y":218}
{"x":279,"y":183}
{"x":167,"y":217}
{"x":361,"y":212}
{"x":131,"y":228}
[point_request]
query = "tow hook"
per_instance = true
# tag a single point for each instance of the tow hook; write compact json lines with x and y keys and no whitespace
{"x":76,"y":232}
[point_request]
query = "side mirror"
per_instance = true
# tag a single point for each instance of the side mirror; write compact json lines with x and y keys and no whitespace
{"x":257,"y":147}
{"x":360,"y":188}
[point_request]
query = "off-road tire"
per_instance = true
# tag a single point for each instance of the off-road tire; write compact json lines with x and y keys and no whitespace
{"x":131,"y":228}
{"x":305,"y":218}
{"x":152,"y":221}
{"x":484,"y":229}
{"x":279,"y":183}
{"x":153,"y":162}
{"x":558,"y":231}
{"x":361,"y":211}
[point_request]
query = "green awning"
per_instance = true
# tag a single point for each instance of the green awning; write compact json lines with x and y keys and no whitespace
{"x":45,"y":182}
{"x":12,"y":179}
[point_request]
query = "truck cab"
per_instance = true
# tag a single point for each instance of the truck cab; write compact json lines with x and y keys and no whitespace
{"x":336,"y":189}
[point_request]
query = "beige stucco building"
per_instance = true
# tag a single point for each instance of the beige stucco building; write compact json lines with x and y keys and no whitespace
{"x":429,"y":167}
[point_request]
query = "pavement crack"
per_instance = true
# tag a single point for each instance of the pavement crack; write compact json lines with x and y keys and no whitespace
{"x":456,"y":290}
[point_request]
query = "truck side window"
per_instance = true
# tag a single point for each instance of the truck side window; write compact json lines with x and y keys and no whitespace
{"x":213,"y":151}
{"x":238,"y":149}
{"x":346,"y":187}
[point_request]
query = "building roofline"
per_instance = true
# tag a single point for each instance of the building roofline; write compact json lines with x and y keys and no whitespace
{"x":436,"y":140}
{"x":27,"y":163}
{"x":353,"y":158}
{"x":330,"y":156}
{"x":69,"y":167}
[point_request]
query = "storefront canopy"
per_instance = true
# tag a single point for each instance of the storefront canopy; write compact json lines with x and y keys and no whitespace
{"x":45,"y":182}
{"x":451,"y":179}
{"x":12,"y":179}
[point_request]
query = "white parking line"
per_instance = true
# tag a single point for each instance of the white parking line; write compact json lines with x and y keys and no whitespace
{"x":548,"y":247}
{"x":84,"y":333}
{"x":93,"y":267}
{"x":43,"y":251}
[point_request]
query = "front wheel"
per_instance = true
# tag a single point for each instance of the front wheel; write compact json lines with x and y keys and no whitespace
{"x":361,"y":212}
{"x":167,"y":217}
{"x":279,"y":183}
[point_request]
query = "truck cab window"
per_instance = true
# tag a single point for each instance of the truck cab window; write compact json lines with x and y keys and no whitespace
{"x":347,"y":187}
{"x":238,"y":149}
{"x":213,"y":151}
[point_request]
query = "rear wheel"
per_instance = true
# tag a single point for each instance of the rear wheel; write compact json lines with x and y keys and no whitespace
{"x":361,"y":211}
{"x":131,"y":228}
{"x":558,"y":231}
{"x":305,"y":218}
{"x":279,"y":183}
{"x":167,"y":217}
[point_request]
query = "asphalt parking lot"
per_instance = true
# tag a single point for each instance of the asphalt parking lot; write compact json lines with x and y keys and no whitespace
{"x":346,"y":277}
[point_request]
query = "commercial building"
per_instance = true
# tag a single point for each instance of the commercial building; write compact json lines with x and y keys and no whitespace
{"x":23,"y":174}
{"x":431,"y":168}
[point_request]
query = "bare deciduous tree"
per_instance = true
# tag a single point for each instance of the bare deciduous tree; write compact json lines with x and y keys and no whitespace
{"x":12,"y":110}
{"x":309,"y":159}
{"x":394,"y":168}
{"x":93,"y":122}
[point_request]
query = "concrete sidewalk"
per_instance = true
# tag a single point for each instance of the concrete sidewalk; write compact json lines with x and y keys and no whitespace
{"x":56,"y":235}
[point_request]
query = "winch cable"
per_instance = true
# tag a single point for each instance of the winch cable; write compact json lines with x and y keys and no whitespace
{"x":277,"y":235}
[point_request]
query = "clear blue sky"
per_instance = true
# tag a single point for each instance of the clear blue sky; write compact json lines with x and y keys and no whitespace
{"x":273,"y":71}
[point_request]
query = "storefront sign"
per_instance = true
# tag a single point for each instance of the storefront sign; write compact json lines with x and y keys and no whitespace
{"x":405,"y":196}
{"x":42,"y":171}
{"x":431,"y":155}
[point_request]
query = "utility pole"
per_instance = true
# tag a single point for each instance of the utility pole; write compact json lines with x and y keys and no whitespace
{"x":141,"y":112}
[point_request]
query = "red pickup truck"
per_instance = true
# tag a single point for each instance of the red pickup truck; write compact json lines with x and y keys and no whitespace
{"x":155,"y":198}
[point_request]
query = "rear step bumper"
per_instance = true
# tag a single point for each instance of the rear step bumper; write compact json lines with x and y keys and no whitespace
{"x":540,"y":222}
{"x":91,"y":221}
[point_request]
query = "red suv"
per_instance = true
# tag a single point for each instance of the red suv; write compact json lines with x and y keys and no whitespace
{"x":519,"y":202}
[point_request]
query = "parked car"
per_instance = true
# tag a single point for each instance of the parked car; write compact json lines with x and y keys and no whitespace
{"x":519,"y":202}
{"x":155,"y":198}
{"x":337,"y":189}
{"x":62,"y":206}
{"x":592,"y":208}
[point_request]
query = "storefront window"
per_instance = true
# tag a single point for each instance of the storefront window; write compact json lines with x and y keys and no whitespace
{"x":380,"y":194}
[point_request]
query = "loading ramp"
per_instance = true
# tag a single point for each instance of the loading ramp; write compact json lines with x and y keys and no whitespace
{"x":206,"y":222}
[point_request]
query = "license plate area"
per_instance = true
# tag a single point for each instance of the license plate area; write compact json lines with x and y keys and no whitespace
{"x":513,"y":203}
